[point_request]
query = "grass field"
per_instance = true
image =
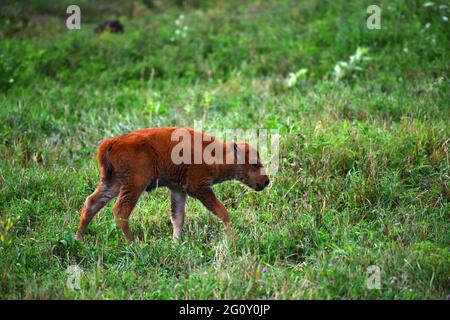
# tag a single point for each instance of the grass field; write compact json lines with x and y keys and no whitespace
{"x":364,"y":158}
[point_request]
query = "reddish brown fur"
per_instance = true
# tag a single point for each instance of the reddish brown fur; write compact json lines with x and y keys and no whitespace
{"x":141,"y":161}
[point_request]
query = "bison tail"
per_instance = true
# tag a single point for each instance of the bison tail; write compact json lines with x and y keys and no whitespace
{"x":104,"y":150}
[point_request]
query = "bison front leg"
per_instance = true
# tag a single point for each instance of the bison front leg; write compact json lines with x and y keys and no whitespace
{"x":210,"y":201}
{"x":178,"y":204}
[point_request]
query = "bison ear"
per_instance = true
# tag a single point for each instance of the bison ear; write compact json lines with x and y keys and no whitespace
{"x":235,"y":148}
{"x":238,"y":153}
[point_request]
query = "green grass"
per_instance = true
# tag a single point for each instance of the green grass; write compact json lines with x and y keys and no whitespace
{"x":364,"y":160}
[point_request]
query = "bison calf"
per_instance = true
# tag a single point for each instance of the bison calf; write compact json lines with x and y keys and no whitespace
{"x":145,"y":159}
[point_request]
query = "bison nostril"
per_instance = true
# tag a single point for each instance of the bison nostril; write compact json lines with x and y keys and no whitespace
{"x":266,"y":183}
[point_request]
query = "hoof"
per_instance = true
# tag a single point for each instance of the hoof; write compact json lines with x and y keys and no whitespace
{"x":78,"y":237}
